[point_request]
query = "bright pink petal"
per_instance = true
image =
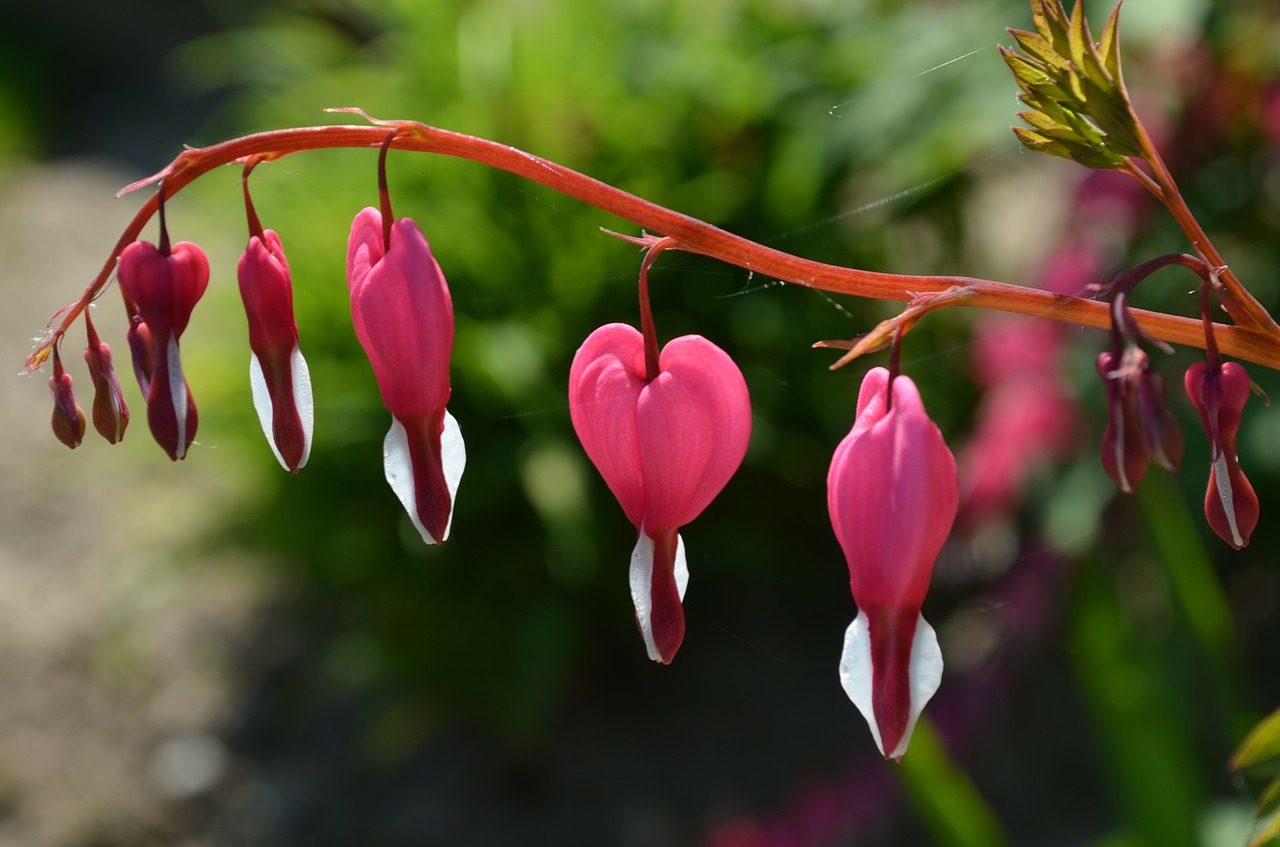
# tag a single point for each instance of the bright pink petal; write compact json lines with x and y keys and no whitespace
{"x":605,"y":382}
{"x":693,"y":423}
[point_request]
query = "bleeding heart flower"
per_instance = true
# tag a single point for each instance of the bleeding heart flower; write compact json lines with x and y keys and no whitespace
{"x":278,"y":373}
{"x":666,"y":447}
{"x":892,"y":493}
{"x":165,"y":287}
{"x":1230,"y":503}
{"x":403,"y":317}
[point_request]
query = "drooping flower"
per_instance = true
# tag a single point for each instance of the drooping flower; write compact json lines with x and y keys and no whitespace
{"x":1140,"y":426}
{"x":68,"y":419}
{"x":164,"y":286}
{"x":1219,"y":394}
{"x":403,"y":316}
{"x":278,"y":373}
{"x":1124,"y":450}
{"x":665,"y":447}
{"x":892,"y":493}
{"x":110,"y":412}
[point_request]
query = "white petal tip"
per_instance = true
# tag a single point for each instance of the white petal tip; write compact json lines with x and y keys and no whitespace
{"x":925,"y":673}
{"x":642,"y":587}
{"x":399,"y":470}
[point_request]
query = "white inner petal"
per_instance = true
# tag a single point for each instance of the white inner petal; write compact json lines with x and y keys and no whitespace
{"x":924,"y":674}
{"x":642,"y":586}
{"x":399,"y":472}
{"x":399,"y":469}
{"x":262,"y":405}
{"x":453,"y":458}
{"x":303,"y":401}
{"x":178,"y":392}
{"x":641,"y":591}
{"x":1222,"y":480}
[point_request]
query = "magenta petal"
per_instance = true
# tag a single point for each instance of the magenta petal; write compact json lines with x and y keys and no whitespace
{"x":605,"y":382}
{"x":693,"y":423}
{"x":403,"y":316}
{"x":892,"y":494}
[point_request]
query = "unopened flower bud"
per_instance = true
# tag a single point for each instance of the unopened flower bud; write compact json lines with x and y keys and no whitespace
{"x":110,"y":412}
{"x":1219,"y":394}
{"x":68,"y":418}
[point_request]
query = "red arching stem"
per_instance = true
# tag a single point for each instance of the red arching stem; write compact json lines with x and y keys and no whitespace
{"x":384,"y":195}
{"x":1259,"y":344}
{"x":255,"y":225}
{"x":647,"y":328}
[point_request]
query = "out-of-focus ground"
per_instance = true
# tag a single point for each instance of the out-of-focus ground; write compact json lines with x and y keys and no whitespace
{"x":116,"y":634}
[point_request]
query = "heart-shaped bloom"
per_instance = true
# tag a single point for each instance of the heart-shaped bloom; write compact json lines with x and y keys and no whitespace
{"x":403,"y":316}
{"x":165,"y":287}
{"x":278,"y":373}
{"x":1230,"y":503}
{"x":665,"y":447}
{"x":892,"y":493}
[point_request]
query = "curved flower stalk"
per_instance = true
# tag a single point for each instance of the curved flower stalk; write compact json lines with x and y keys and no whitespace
{"x":665,"y":446}
{"x":892,"y":492}
{"x":1219,"y":394}
{"x":403,"y":316}
{"x":278,"y":373}
{"x":164,"y":285}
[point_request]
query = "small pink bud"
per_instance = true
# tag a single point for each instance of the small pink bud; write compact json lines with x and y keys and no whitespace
{"x":278,"y":373}
{"x":110,"y":412}
{"x":165,"y":288}
{"x":1230,"y":503}
{"x":665,"y":447}
{"x":892,"y":492}
{"x":68,"y":418}
{"x":403,"y":316}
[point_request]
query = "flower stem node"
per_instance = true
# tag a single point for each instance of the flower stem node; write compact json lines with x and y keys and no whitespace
{"x":278,"y":372}
{"x":403,"y":316}
{"x":666,"y":447}
{"x":1219,"y":394}
{"x":893,"y":494}
{"x":165,"y":286}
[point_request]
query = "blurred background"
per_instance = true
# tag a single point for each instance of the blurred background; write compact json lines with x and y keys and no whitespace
{"x":219,"y":653}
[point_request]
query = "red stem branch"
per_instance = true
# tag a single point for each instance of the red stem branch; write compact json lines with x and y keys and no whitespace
{"x":1257,"y":343}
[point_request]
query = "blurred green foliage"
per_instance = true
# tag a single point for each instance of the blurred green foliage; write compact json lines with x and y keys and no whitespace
{"x":868,"y":134}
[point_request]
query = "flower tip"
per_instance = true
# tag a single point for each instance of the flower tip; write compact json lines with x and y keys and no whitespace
{"x":659,"y":577}
{"x":889,"y":693}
